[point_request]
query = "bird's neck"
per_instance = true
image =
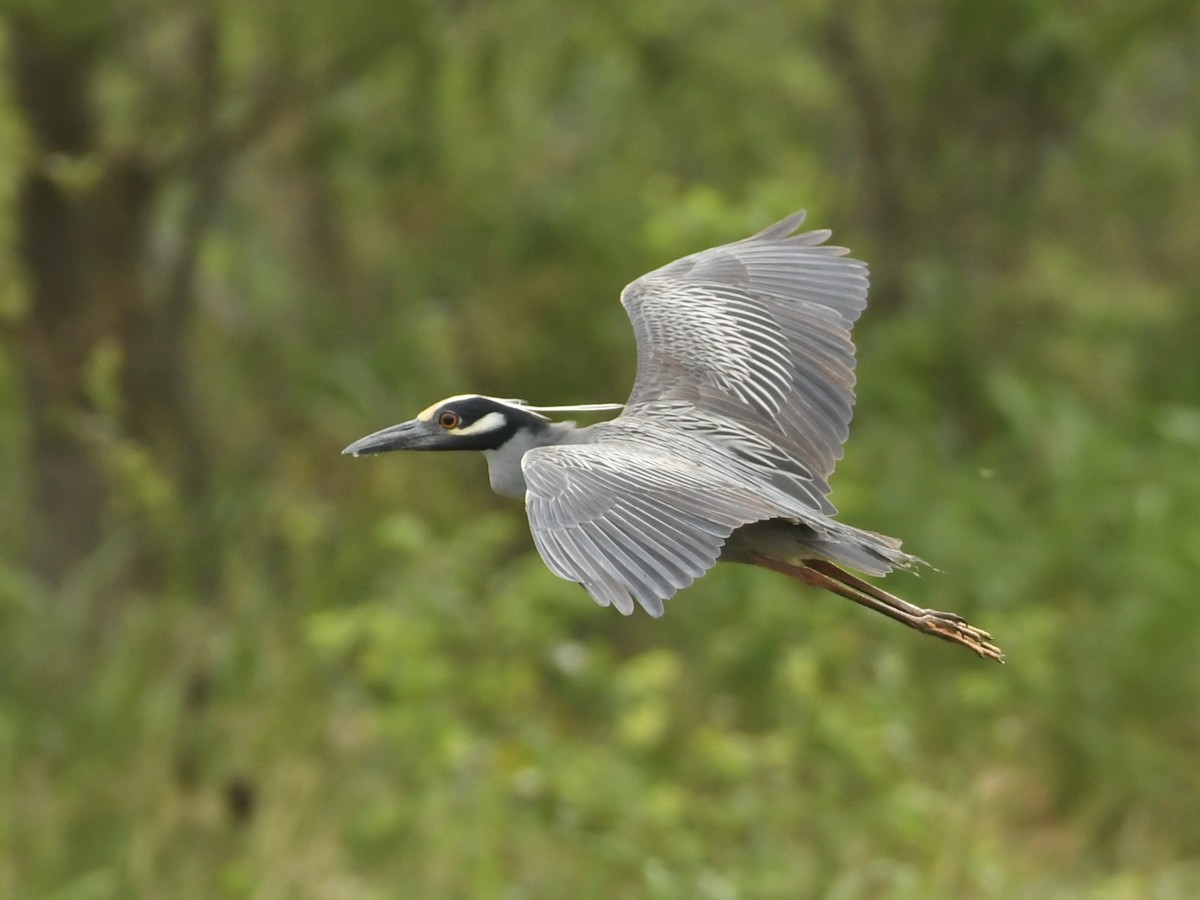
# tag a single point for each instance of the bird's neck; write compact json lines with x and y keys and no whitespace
{"x":504,"y":463}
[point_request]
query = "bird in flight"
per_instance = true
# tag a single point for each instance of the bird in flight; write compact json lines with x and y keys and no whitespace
{"x":723,"y":451}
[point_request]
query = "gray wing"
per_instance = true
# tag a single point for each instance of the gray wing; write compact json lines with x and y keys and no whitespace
{"x":758,"y":330}
{"x":631,"y":522}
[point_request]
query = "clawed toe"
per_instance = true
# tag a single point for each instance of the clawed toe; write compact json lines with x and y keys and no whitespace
{"x":946,"y":616}
{"x":951,"y":627}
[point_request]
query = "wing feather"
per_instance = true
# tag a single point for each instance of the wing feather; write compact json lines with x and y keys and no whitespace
{"x":632,"y":523}
{"x":760,"y":331}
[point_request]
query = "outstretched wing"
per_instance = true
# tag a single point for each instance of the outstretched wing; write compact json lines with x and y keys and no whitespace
{"x":758,"y":330}
{"x":631,"y":522}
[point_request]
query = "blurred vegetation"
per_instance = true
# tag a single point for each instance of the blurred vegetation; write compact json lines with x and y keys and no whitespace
{"x":235,"y":237}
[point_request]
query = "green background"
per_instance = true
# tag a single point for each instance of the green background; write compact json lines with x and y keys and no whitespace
{"x":234,"y":237}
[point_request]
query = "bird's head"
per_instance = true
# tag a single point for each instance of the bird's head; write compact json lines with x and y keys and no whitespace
{"x":465,"y":422}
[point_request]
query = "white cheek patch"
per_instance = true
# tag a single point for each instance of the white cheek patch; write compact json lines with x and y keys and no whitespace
{"x":493,"y":421}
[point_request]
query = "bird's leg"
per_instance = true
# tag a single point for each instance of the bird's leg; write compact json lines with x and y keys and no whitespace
{"x":947,"y":626}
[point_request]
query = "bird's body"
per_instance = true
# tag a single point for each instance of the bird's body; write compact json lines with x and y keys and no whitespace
{"x":723,"y":451}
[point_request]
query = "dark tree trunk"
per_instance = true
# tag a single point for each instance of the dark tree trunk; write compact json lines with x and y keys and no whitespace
{"x":65,"y":322}
{"x":83,"y":225}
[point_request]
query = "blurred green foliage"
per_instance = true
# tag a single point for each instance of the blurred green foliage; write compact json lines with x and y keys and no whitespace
{"x":363,"y":683}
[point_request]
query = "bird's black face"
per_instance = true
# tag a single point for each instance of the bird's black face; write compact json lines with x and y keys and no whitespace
{"x":466,"y":422}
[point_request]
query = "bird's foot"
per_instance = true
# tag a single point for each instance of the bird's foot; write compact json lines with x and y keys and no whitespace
{"x":953,"y":627}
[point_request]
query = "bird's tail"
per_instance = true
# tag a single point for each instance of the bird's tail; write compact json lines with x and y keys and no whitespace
{"x":867,"y":551}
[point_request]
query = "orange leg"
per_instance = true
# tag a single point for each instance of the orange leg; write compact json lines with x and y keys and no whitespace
{"x":947,"y":626}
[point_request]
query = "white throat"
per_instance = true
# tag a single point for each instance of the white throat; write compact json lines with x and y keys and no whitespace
{"x":504,"y":464}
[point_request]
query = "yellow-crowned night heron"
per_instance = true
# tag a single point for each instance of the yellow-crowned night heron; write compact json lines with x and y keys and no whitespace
{"x":742,"y":401}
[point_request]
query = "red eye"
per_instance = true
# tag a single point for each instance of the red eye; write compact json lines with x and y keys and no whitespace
{"x":449,"y":420}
